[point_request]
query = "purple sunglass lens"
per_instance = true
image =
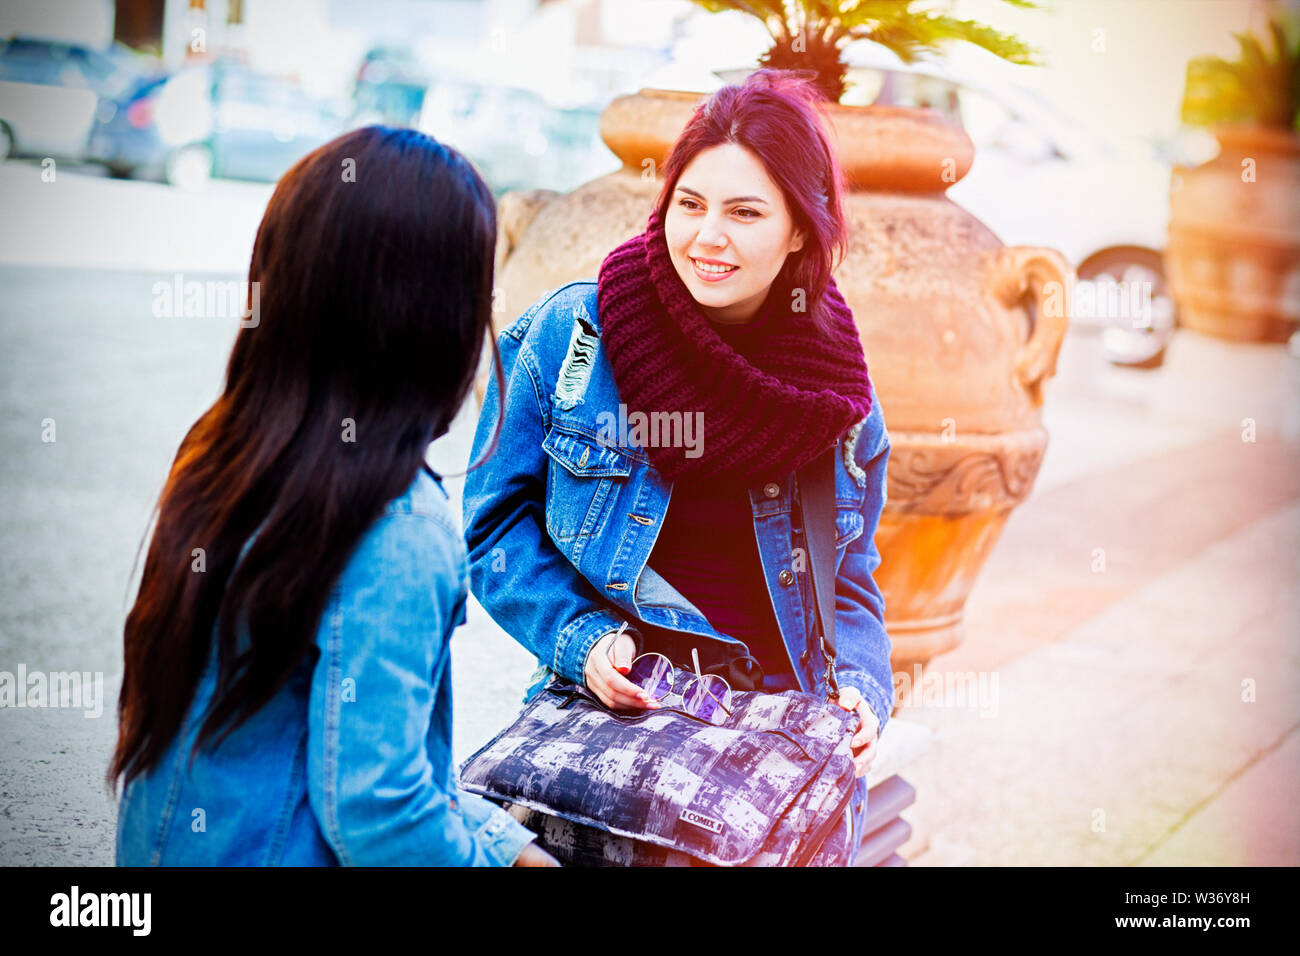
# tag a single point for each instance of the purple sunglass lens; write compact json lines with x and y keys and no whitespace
{"x":652,"y":673}
{"x":709,"y":700}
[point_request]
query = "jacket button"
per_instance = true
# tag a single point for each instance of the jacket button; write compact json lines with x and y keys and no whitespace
{"x":771,"y":489}
{"x":786,"y":577}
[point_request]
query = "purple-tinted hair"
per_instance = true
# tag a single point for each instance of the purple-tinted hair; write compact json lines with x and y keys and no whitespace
{"x":777,"y":115}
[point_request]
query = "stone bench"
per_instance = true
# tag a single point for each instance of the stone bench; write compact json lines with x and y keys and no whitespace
{"x":891,"y":840}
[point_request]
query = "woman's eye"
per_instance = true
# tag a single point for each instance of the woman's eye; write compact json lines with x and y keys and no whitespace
{"x":743,"y":211}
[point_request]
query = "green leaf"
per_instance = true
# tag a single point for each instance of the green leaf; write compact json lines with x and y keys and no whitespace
{"x":903,"y":26}
{"x":908,"y":37}
{"x":1260,"y":86}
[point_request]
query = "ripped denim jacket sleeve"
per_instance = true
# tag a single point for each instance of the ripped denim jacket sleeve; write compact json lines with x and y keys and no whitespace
{"x":517,"y":573}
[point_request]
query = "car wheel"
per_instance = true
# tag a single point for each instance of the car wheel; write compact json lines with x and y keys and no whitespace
{"x":190,"y":167}
{"x":1126,"y":342}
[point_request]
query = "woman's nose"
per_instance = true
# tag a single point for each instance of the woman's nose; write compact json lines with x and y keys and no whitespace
{"x":712,"y":235}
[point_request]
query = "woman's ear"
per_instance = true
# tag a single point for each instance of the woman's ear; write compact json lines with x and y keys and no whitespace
{"x":797,"y":242}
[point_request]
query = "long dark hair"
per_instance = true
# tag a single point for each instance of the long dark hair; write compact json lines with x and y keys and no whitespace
{"x":372,"y":278}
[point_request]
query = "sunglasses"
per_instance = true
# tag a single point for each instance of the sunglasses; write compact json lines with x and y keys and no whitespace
{"x":706,"y":696}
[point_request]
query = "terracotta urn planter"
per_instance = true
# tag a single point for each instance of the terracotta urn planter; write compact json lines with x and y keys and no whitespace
{"x":960,"y":331}
{"x":1233,"y":259}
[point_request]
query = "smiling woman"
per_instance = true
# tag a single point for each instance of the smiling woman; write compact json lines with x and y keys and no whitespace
{"x":728,"y":251}
{"x":747,"y":197}
{"x":723,"y":312}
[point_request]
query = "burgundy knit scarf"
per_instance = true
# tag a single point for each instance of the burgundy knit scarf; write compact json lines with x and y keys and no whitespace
{"x":763,"y":414}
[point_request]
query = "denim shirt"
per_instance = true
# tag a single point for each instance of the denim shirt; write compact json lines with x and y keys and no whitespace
{"x":349,"y":763}
{"x":561,"y":522}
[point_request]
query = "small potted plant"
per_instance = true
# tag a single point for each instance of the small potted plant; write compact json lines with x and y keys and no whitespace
{"x":1233,"y":257}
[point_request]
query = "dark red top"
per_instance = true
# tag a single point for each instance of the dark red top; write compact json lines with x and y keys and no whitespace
{"x":706,"y":549}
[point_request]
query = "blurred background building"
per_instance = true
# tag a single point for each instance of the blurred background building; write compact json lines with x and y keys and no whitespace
{"x":183,"y":91}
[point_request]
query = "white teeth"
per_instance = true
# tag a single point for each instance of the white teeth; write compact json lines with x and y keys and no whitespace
{"x":710,"y":267}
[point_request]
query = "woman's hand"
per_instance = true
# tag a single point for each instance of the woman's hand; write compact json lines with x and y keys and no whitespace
{"x":605,"y":675}
{"x":863,"y":743}
{"x":534,"y":855}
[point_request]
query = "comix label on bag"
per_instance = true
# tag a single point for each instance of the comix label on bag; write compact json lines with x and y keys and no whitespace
{"x":700,"y":820}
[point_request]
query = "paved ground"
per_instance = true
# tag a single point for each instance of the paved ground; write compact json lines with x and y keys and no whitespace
{"x":1146,"y":714}
{"x":122,"y":386}
{"x":1127,"y":731}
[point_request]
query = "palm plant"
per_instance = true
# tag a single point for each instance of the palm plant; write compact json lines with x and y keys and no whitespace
{"x":811,"y":34}
{"x":1258,"y":87}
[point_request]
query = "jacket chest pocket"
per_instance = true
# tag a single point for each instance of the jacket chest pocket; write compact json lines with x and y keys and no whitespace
{"x":581,"y":482}
{"x":848,"y":524}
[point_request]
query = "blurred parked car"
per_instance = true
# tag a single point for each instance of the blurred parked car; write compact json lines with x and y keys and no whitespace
{"x":123,"y":137}
{"x":49,"y":92}
{"x":1100,"y":200}
{"x":218,"y":119}
{"x":389,"y":88}
{"x":515,"y":138}
{"x":1043,"y":178}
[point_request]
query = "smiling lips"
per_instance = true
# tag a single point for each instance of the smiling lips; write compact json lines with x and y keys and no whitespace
{"x":710,"y":270}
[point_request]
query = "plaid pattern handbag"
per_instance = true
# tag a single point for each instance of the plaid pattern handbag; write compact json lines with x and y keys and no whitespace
{"x":770,"y":786}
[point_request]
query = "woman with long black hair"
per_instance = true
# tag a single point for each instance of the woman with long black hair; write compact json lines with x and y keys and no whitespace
{"x":287,"y":694}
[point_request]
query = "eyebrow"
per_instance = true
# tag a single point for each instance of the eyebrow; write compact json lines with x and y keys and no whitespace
{"x":725,"y":202}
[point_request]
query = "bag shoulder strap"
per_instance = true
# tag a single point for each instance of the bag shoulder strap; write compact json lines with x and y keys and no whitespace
{"x":816,"y":482}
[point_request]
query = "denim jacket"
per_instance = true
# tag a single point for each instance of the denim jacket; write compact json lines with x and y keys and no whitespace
{"x":561,"y":523}
{"x":349,"y":763}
